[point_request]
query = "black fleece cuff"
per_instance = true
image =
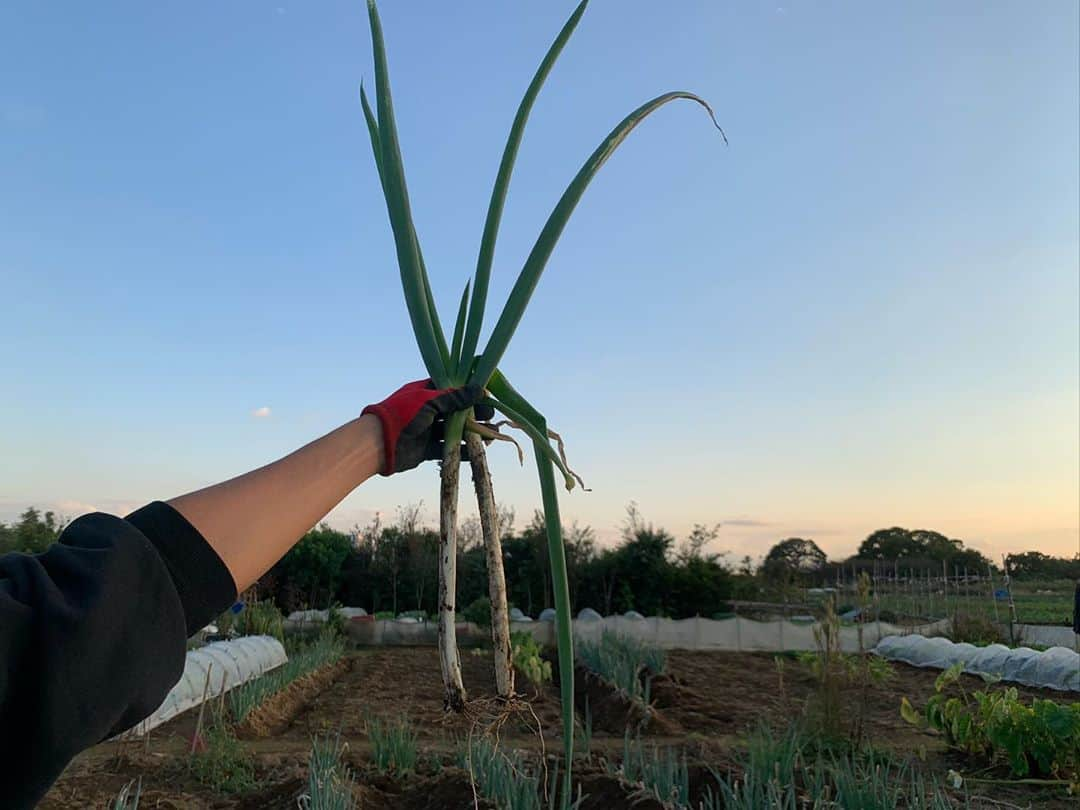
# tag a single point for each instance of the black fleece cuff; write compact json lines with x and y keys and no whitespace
{"x":205,"y":585}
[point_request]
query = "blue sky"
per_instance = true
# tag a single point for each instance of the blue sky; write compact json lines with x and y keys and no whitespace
{"x":863,"y":312}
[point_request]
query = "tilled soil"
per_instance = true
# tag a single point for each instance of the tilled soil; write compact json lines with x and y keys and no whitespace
{"x":704,"y":702}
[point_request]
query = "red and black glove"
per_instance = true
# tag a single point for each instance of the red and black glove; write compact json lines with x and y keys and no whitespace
{"x":414,"y":421}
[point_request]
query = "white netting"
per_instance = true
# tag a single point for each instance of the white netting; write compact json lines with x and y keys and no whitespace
{"x":1056,"y":668}
{"x":734,"y":633}
{"x":214,"y":669}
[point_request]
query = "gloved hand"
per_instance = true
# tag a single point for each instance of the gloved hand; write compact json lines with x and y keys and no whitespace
{"x":414,"y":421}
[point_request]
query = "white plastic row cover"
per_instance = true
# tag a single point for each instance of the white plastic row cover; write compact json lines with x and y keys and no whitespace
{"x":1055,"y":668}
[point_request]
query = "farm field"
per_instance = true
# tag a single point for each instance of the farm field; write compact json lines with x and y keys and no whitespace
{"x":705,"y":706}
{"x":1036,"y":602}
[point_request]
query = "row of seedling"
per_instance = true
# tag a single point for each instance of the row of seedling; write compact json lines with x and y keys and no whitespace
{"x":786,"y":774}
{"x":227,"y":767}
{"x":783,"y":772}
{"x":327,"y":649}
{"x":626,"y":663}
{"x":506,"y":778}
{"x":661,"y":773}
{"x":510,"y":782}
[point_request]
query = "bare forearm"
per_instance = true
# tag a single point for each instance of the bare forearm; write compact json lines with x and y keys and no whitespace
{"x":252,"y":520}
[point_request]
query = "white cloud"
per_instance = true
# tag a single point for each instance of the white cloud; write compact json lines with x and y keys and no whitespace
{"x":261,"y":413}
{"x":67,"y":508}
{"x":75,"y":508}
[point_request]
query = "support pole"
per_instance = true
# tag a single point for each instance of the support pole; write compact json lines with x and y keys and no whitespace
{"x":945,"y":582}
{"x":1013,"y":620}
{"x":993,"y":597}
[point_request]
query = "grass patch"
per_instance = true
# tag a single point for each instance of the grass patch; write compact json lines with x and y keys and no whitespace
{"x":222,"y":763}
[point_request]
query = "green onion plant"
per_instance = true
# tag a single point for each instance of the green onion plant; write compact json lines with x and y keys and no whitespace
{"x":626,"y":663}
{"x":500,"y":776}
{"x":789,"y":771}
{"x":461,"y":360}
{"x":128,"y":797}
{"x":330,"y":781}
{"x":325,"y":650}
{"x":393,"y":745}
{"x":662,"y":773}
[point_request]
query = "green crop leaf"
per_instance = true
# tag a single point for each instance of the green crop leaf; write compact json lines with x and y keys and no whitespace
{"x":459,"y":331}
{"x":561,"y":592}
{"x":410,"y":264}
{"x":376,"y":147}
{"x":553,"y":228}
{"x":373,"y":133}
{"x":910,"y":714}
{"x":502,"y":182}
{"x":949,"y":676}
{"x":436,"y":325}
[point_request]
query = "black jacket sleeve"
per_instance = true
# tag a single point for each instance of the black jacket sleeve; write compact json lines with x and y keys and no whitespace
{"x":92,"y":636}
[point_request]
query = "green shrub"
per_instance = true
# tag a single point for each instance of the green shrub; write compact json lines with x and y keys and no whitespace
{"x":223,"y":764}
{"x":1040,"y":739}
{"x":973,"y":629}
{"x":335,"y":620}
{"x":478,"y":612}
{"x":260,"y":618}
{"x":525,"y":654}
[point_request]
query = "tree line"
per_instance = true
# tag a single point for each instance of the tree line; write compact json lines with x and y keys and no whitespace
{"x":392,"y":567}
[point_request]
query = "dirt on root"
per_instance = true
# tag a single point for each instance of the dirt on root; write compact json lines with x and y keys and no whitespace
{"x":278,"y":711}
